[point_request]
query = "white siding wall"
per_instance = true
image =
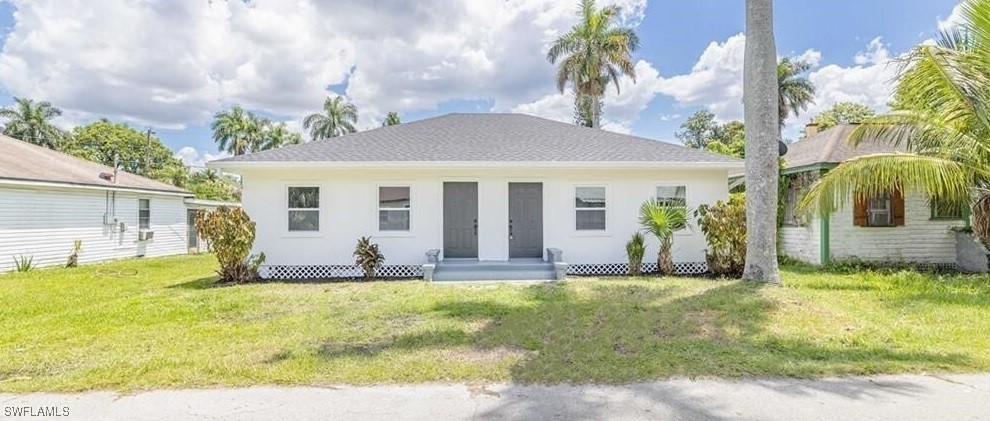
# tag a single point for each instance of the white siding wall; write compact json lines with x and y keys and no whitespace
{"x":44,"y":223}
{"x":920,"y":240}
{"x":349,"y":211}
{"x":802,"y":243}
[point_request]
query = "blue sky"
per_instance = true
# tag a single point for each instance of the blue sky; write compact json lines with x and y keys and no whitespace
{"x":171,"y":65}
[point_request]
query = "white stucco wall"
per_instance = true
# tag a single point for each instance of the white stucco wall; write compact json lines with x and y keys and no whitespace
{"x":349,"y":210}
{"x":44,"y":222}
{"x":920,"y":240}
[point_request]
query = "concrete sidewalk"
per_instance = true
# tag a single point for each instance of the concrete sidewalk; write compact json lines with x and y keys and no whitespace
{"x":955,"y":397}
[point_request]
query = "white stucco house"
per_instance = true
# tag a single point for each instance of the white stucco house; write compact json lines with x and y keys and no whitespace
{"x":468,"y":196}
{"x":49,"y":200}
{"x":891,"y":229}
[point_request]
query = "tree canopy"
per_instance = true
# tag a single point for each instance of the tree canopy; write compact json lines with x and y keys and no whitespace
{"x":702,"y":131}
{"x":337,"y":119}
{"x":31,"y":122}
{"x":842,"y":113}
{"x":103,"y":140}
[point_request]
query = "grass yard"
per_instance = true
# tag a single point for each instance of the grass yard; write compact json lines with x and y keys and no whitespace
{"x":158,"y":323}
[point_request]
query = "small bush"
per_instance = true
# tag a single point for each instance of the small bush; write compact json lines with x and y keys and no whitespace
{"x":24,"y":263}
{"x":724,"y":226}
{"x":368,"y":257}
{"x":74,"y":257}
{"x":635,"y":249}
{"x":230,"y":233}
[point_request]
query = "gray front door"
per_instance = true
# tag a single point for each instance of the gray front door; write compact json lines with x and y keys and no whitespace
{"x":525,"y":220}
{"x":460,"y":219}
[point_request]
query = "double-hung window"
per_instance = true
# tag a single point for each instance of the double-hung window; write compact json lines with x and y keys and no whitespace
{"x":304,"y":209}
{"x":879,"y":212}
{"x":394,"y":207}
{"x":144,"y":214}
{"x":590,"y":208}
{"x":674,"y":196}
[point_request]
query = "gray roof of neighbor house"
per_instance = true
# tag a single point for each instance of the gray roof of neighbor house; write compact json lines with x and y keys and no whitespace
{"x":22,"y":161}
{"x":832,"y":147}
{"x":504,"y":138}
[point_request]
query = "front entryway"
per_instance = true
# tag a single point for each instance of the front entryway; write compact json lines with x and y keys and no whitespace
{"x":525,"y":220}
{"x":460,"y":220}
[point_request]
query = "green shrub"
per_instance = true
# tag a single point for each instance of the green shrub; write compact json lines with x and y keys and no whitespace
{"x":230,"y":233}
{"x":724,"y":226}
{"x":368,"y":257}
{"x":24,"y":263}
{"x":635,"y":249}
{"x":74,"y":257}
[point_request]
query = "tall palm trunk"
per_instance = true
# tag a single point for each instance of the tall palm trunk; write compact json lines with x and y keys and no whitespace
{"x":665,"y":259}
{"x":760,"y":97}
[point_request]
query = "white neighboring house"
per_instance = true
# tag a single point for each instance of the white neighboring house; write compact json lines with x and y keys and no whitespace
{"x":49,"y":199}
{"x":891,"y":229}
{"x":501,"y":194}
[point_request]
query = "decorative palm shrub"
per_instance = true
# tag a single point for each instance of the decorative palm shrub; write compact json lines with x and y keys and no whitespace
{"x":74,"y":256}
{"x":635,"y":249}
{"x":24,"y":263}
{"x":230,"y":234}
{"x":368,"y":257}
{"x":724,"y":226}
{"x":663,"y":220}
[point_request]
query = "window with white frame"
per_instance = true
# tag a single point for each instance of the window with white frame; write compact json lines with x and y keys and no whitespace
{"x":304,"y":209}
{"x":589,"y":208}
{"x":879,"y":212}
{"x":144,"y":214}
{"x":672,"y":195}
{"x":394,"y":207}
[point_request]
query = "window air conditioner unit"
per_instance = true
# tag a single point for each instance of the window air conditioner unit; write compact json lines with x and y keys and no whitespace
{"x":146,"y":235}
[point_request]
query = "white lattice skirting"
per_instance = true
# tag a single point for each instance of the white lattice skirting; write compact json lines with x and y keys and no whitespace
{"x":337,"y":271}
{"x":619,"y":269}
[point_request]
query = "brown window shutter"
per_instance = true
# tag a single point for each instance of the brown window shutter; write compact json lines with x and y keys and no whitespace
{"x":897,"y":207}
{"x":860,"y":215}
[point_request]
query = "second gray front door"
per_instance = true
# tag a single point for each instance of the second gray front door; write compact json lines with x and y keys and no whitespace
{"x":525,"y":220}
{"x":460,"y":219}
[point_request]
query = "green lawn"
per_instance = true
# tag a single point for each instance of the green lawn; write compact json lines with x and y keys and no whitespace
{"x":159,"y":323}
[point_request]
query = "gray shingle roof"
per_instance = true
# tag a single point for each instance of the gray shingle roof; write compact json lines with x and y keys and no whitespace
{"x":484,"y":138}
{"x":26,"y":162}
{"x":832,"y":147}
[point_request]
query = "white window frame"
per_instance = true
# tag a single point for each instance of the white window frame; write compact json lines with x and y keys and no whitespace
{"x":606,"y":209}
{"x":143,"y":199}
{"x":686,"y":232}
{"x":377,"y":221}
{"x":889,"y":210}
{"x":319,"y":209}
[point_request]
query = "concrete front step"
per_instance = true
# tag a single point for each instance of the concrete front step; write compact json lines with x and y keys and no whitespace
{"x":453,"y":275}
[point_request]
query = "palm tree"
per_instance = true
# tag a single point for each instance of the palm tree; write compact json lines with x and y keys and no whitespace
{"x":279,"y":135}
{"x":796,"y":92}
{"x":236,"y":130}
{"x":594,"y":54}
{"x":338,"y":119}
{"x":762,"y":115}
{"x":663,"y":220}
{"x":392,"y":119}
{"x":31,"y":122}
{"x":942,"y":121}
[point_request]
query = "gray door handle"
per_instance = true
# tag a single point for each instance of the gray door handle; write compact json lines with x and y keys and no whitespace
{"x":475,"y":227}
{"x":510,"y":229}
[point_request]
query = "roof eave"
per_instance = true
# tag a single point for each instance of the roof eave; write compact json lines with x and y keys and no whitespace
{"x":233,"y":166}
{"x":52,"y":184}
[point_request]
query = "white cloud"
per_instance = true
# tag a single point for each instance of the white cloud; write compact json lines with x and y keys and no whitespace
{"x":876,"y":52}
{"x":170,"y":64}
{"x":954,"y":20}
{"x":715,"y":80}
{"x":197,"y":160}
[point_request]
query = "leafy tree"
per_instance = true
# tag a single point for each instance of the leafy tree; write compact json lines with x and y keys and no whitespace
{"x":278,"y":135}
{"x":724,"y":226}
{"x":941,"y":120}
{"x":230,"y":233}
{"x":764,"y":105}
{"x":842,"y":113}
{"x":236,"y":130}
{"x":392,"y":119}
{"x":730,"y":140}
{"x":593,"y":54}
{"x":795,"y":92}
{"x":698,"y":130}
{"x":107,"y":142}
{"x":338,"y":118}
{"x":32,"y":122}
{"x":663,"y":220}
